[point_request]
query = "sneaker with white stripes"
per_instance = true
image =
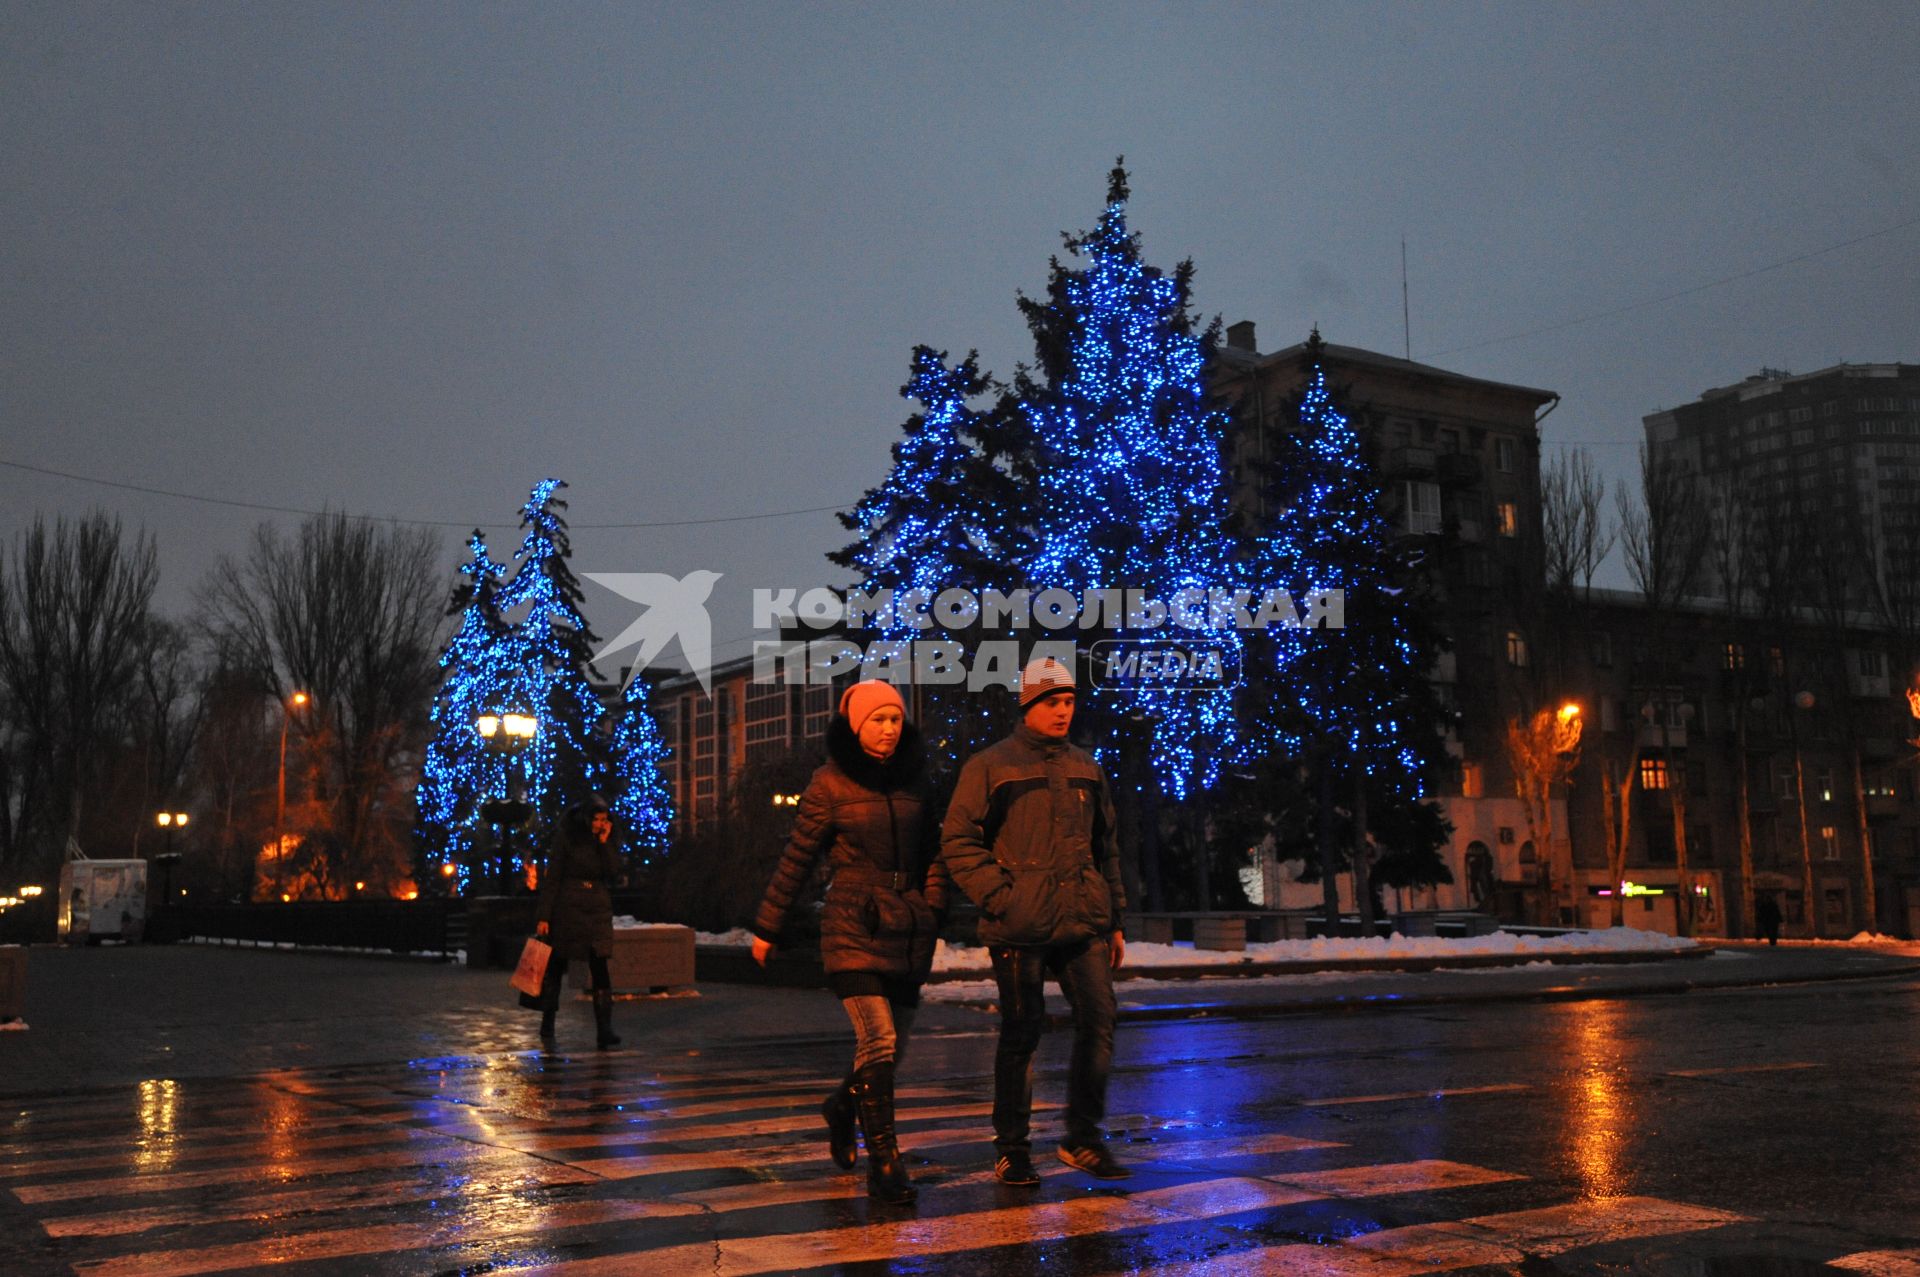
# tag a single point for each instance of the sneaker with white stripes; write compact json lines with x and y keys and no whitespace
{"x":1093,"y":1158}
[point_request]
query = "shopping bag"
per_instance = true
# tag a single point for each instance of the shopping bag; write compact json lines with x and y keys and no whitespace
{"x":532,"y":971}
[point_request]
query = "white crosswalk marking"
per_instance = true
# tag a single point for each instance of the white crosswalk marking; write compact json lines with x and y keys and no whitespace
{"x":1881,"y":1263}
{"x":402,"y":1164}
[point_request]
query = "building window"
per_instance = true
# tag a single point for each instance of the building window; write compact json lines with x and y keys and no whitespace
{"x":1871,"y":664}
{"x":1516,"y":649}
{"x":1423,"y":507}
{"x":1506,"y":518}
{"x":1503,"y":455}
{"x":1602,"y":650}
{"x":1653,"y":773}
{"x":1777,"y":662}
{"x":1733,"y":657}
{"x":1783,"y":786}
{"x":1472,"y":781}
{"x":1836,"y":904}
{"x":1829,"y":843}
{"x":1528,"y":856}
{"x":1823,"y":784}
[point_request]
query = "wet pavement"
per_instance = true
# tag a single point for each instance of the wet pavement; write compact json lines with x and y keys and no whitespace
{"x":196,"y":1110}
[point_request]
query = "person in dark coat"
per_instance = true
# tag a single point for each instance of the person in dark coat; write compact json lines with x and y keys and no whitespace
{"x":1030,"y":837}
{"x":865,"y":811}
{"x":1766,"y":913}
{"x":575,"y":913}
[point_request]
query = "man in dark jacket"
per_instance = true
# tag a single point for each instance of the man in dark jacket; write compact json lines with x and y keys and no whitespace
{"x":1030,"y":838}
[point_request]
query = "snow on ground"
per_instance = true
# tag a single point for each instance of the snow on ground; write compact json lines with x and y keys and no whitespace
{"x":1142,"y":954}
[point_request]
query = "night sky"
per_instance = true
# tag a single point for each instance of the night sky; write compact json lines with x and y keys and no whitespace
{"x":407,"y":259}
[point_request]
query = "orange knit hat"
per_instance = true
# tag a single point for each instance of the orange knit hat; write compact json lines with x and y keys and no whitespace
{"x":860,"y":701}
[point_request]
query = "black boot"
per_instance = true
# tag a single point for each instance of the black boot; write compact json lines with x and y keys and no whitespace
{"x":550,"y":998}
{"x":546,"y":1025}
{"x":603,"y":1019}
{"x":841,"y":1113}
{"x":886,"y":1173}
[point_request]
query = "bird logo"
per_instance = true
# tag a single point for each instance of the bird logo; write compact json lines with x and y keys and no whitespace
{"x":674,"y":608}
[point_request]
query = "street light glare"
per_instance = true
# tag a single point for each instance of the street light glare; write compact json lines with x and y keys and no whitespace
{"x":1570,"y":710}
{"x":298,"y":698}
{"x":519,"y":725}
{"x":488,"y":724}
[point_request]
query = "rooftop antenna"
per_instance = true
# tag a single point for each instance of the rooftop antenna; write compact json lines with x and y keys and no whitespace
{"x":1406,"y":312}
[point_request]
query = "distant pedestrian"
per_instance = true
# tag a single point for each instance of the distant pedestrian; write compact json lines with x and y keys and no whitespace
{"x":575,"y":911}
{"x":866,"y":811}
{"x":1766,"y":916}
{"x":1030,"y":838}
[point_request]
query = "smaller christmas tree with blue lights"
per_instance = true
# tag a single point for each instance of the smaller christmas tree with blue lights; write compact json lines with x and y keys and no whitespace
{"x":459,"y":772}
{"x":553,"y":646}
{"x":1358,"y":700}
{"x":640,"y":797}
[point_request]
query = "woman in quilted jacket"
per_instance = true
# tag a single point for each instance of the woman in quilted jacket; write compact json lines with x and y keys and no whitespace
{"x":866,"y":812}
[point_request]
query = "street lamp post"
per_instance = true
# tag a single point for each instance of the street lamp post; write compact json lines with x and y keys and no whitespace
{"x":168,"y":822}
{"x":508,"y":733}
{"x":280,"y":807}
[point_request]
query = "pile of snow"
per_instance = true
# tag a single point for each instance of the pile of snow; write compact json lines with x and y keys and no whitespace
{"x":949,"y":957}
{"x":1347,"y":949}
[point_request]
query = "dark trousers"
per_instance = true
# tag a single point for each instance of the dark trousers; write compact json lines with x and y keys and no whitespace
{"x":557,"y":971}
{"x":1085,"y":974}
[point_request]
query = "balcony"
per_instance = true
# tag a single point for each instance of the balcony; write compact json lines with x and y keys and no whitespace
{"x":1408,"y":463}
{"x":1654,"y":736}
{"x":1458,"y":469}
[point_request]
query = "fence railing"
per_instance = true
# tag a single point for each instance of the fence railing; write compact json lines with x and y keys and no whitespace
{"x":393,"y":926}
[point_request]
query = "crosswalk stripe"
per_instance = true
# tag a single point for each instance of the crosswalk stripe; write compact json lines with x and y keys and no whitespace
{"x":193,"y":1134}
{"x":295,"y":1201}
{"x":453,"y":1152}
{"x":1393,"y":1177}
{"x":1504,"y":1088}
{"x":340,"y":1243}
{"x":945,"y":1234}
{"x":1033,"y":1223}
{"x":1881,"y":1263}
{"x":1485,"y":1240}
{"x":170,"y":1152}
{"x":732,"y":1130}
{"x":1202,"y":1150}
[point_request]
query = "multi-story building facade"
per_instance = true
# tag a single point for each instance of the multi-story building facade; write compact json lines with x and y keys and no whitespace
{"x":1839,"y":447}
{"x":1459,"y":459}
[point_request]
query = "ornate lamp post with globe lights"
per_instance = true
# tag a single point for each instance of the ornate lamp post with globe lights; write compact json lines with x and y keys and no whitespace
{"x":509,"y":733}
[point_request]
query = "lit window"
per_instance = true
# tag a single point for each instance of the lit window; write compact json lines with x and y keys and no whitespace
{"x":1472,"y":783}
{"x":1653,"y":773}
{"x":1516,"y":649}
{"x":1506,"y":517}
{"x":1733,"y":657}
{"x":1829,"y":842}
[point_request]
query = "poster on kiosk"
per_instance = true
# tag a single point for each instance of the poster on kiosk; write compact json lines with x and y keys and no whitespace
{"x":103,"y":900}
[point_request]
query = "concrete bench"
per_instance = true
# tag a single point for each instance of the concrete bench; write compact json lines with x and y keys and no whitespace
{"x":646,"y":959}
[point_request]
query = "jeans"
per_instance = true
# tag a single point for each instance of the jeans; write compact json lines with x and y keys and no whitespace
{"x":880,"y":1029}
{"x":1085,"y":973}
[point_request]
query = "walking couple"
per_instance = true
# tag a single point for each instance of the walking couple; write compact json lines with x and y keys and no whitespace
{"x":1029,"y":836}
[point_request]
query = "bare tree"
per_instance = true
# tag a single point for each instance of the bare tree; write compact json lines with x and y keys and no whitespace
{"x":1663,"y":532}
{"x":75,"y":613}
{"x":1575,"y":533}
{"x":349,"y":613}
{"x":1542,"y":753}
{"x":1616,"y":822}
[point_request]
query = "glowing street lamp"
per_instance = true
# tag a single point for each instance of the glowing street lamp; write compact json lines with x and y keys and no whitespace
{"x":509,"y":733}
{"x":168,"y":821}
{"x":292,"y":703}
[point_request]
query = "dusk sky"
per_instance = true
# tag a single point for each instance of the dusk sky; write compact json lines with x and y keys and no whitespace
{"x":404,"y":260}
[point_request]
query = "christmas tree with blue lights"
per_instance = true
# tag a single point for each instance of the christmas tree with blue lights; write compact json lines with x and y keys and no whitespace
{"x":553,"y":647}
{"x":1131,"y":490}
{"x":640,"y":797}
{"x":459,"y":771}
{"x":946,"y":515}
{"x":1358,"y":702}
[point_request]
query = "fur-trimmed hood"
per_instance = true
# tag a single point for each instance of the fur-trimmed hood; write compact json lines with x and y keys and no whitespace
{"x":903,"y":770}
